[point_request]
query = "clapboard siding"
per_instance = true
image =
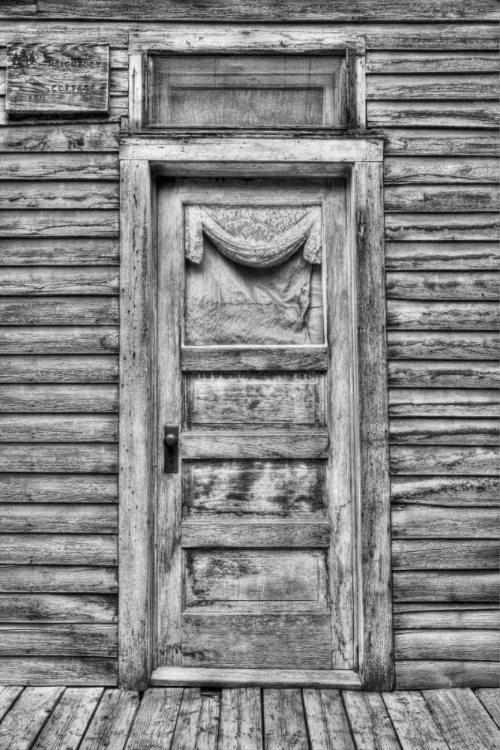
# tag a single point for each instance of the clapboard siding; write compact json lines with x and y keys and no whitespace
{"x":431,"y":89}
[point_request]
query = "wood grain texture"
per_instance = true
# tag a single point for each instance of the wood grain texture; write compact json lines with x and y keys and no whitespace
{"x":48,"y":670}
{"x":50,"y":488}
{"x":413,"y":722}
{"x":489,"y":699}
{"x":438,"y":402}
{"x":58,"y":549}
{"x":55,"y":194}
{"x":59,"y":311}
{"x":432,"y":141}
{"x":58,"y":369}
{"x":58,"y":223}
{"x":59,"y":398}
{"x":241,"y":445}
{"x":72,"y":137}
{"x":463,"y":719}
{"x":25,"y":720}
{"x":135,"y":400}
{"x":443,"y":374}
{"x":443,"y":431}
{"x":69,"y":720}
{"x":442,"y":256}
{"x":62,"y":639}
{"x":284,"y":720}
{"x":369,"y":721}
{"x":54,"y":519}
{"x":469,"y":460}
{"x":417,"y":675}
{"x":427,"y":522}
{"x":248,"y":532}
{"x":409,"y":314}
{"x":432,"y":86}
{"x":241,"y":719}
{"x":450,"y":554}
{"x":430,"y":62}
{"x":234,"y":678}
{"x":112,"y":722}
{"x":416,"y":114}
{"x":441,"y":227}
{"x":58,"y":608}
{"x":49,"y":579}
{"x":461,"y":617}
{"x":218,"y":359}
{"x":156,"y":719}
{"x":454,"y":345}
{"x":59,"y":458}
{"x":169,"y":10}
{"x":43,"y":428}
{"x":479,"y":645}
{"x":441,"y":198}
{"x":65,"y":166}
{"x":8,"y":696}
{"x":59,"y":340}
{"x":327,"y":724}
{"x":70,"y":251}
{"x":442,"y":490}
{"x":427,"y":170}
{"x":442,"y":586}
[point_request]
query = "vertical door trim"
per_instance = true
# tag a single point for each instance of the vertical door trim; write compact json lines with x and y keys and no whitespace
{"x":362,"y":159}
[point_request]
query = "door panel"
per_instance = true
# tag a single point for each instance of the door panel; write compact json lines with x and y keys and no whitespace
{"x":254,"y":533}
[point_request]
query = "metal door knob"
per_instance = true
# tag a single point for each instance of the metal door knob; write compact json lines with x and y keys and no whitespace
{"x":170,"y":440}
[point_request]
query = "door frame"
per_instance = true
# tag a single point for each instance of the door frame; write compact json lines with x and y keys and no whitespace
{"x":142,"y":159}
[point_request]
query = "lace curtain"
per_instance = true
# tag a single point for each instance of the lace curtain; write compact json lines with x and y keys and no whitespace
{"x":247,"y":283}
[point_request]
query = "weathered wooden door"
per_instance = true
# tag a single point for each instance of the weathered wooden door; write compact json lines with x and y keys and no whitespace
{"x":255,"y":425}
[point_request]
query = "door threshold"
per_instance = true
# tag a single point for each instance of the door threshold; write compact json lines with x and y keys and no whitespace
{"x":344,"y":679}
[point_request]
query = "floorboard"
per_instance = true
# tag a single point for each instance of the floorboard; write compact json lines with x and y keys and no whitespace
{"x":247,"y":718}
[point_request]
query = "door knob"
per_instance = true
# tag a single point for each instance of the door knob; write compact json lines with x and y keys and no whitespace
{"x":171,"y":443}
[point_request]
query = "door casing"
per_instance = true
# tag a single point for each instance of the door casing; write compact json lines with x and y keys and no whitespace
{"x":360,"y":161}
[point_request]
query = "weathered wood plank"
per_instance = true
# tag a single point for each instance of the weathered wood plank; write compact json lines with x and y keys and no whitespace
{"x":47,"y":670}
{"x":418,"y":675}
{"x":8,"y":696}
{"x":459,"y":315}
{"x":442,"y":227}
{"x":69,"y":720}
{"x":442,"y":345}
{"x":491,"y":701}
{"x":67,"y":166}
{"x":463,"y":719}
{"x":327,"y":724}
{"x":112,"y":722}
{"x":56,"y":194}
{"x":58,"y":518}
{"x":442,"y":114}
{"x":440,"y":402}
{"x":284,"y":720}
{"x":448,"y":169}
{"x":46,"y":428}
{"x":442,"y":256}
{"x":240,"y":719}
{"x":169,"y":10}
{"x":370,"y":723}
{"x":197,"y":723}
{"x":439,"y":490}
{"x":477,"y":645}
{"x":445,"y":586}
{"x":461,"y":617}
{"x":279,"y":678}
{"x":64,"y":137}
{"x":59,"y":223}
{"x":155,"y":722}
{"x":429,"y":141}
{"x":431,"y":62}
{"x":22,"y":8}
{"x":451,"y":85}
{"x":62,"y":639}
{"x":59,"y":311}
{"x":59,"y":369}
{"x":438,"y":459}
{"x":59,"y":340}
{"x":25,"y":720}
{"x":236,"y":445}
{"x":252,"y":358}
{"x":53,"y":488}
{"x":58,"y":549}
{"x":457,"y":198}
{"x":255,"y":532}
{"x":60,"y":458}
{"x":446,"y":285}
{"x":427,"y":522}
{"x":413,"y":554}
{"x":58,"y":608}
{"x":443,"y":374}
{"x":442,"y":431}
{"x":59,"y":398}
{"x":84,"y":251}
{"x":48,"y":579}
{"x":413,"y":722}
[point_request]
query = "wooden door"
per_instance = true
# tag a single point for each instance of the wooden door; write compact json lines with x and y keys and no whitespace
{"x":255,"y":516}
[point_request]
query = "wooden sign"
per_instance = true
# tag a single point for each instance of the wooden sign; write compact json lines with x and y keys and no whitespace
{"x":65,"y":78}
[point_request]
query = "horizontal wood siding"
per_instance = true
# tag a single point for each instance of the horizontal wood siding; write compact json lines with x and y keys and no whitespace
{"x":59,"y":201}
{"x":431,"y":89}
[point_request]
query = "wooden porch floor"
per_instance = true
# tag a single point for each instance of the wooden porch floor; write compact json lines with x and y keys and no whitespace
{"x":56,"y":718}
